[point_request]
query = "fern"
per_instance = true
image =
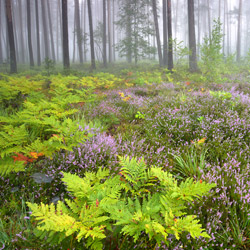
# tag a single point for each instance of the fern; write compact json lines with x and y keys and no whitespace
{"x":103,"y":202}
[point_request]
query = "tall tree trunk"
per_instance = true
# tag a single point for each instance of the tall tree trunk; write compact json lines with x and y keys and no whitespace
{"x":1,"y":52}
{"x":78,"y":30}
{"x":45,"y":30}
{"x":170,"y":38}
{"x":165,"y":35}
{"x":104,"y":36}
{"x":176,"y":18}
{"x":113,"y":30}
{"x":21,"y":31}
{"x":13,"y":66}
{"x":92,"y":48}
{"x":109,"y":31}
{"x":228,"y":29}
{"x":29,"y":34}
{"x":199,"y":29}
{"x":84,"y":31}
{"x":157,"y":31}
{"x":191,"y":35}
{"x":51,"y":33}
{"x":60,"y":22}
{"x":209,"y":19}
{"x":38,"y":49}
{"x":239,"y":31}
{"x":129,"y":34}
{"x":66,"y":63}
{"x":74,"y":40}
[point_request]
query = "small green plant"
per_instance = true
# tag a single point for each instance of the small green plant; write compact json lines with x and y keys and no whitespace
{"x":140,"y":205}
{"x":211,"y":55}
{"x":221,"y":95}
{"x":139,"y":115}
{"x":200,"y":118}
{"x":49,"y":66}
{"x":192,"y":163}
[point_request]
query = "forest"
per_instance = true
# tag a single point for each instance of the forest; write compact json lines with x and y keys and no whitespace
{"x":124,"y":124}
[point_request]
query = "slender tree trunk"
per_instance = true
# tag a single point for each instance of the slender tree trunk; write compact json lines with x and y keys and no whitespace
{"x":104,"y":36}
{"x":74,"y":40}
{"x":209,"y":19}
{"x":29,"y":35}
{"x":191,"y":35}
{"x":78,"y":30}
{"x":228,"y":30}
{"x":170,"y":38}
{"x":51,"y":33}
{"x":157,"y":31}
{"x":129,"y":35}
{"x":224,"y":28}
{"x":37,"y":35}
{"x":13,"y":66}
{"x":176,"y":18}
{"x":165,"y":35}
{"x":21,"y":31}
{"x":15,"y":28}
{"x":60,"y":22}
{"x":109,"y":31}
{"x":1,"y":52}
{"x":84,"y":31}
{"x":92,"y":48}
{"x":45,"y":30}
{"x":199,"y":29}
{"x":114,"y":30}
{"x":239,"y":32}
{"x":66,"y":63}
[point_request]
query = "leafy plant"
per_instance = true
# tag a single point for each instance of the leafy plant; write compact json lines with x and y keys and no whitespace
{"x":139,"y":202}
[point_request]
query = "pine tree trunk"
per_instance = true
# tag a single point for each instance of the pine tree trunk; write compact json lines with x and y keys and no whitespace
{"x":129,"y":36}
{"x":199,"y":30}
{"x":45,"y":30}
{"x":109,"y":31}
{"x":84,"y":31}
{"x":170,"y":39}
{"x":1,"y":51}
{"x":114,"y":30}
{"x":21,"y":31}
{"x":104,"y":36}
{"x":51,"y":33}
{"x":165,"y":35}
{"x":239,"y":32}
{"x":209,"y":19}
{"x":92,"y":48}
{"x":38,"y":49}
{"x":191,"y":35}
{"x":13,"y":65}
{"x":78,"y":30}
{"x":157,"y":31}
{"x":66,"y":63}
{"x":29,"y":34}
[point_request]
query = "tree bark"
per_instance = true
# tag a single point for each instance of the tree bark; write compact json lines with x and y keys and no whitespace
{"x":114,"y":30}
{"x":209,"y":19}
{"x":104,"y":36}
{"x":92,"y":48}
{"x":29,"y":35}
{"x":191,"y":37}
{"x":13,"y":65}
{"x":45,"y":30}
{"x":1,"y":52}
{"x":66,"y":63}
{"x":170,"y":39}
{"x":21,"y":31}
{"x":109,"y":31}
{"x":51,"y":33}
{"x":239,"y":31}
{"x":38,"y":49}
{"x":157,"y":31}
{"x":165,"y":35}
{"x":78,"y":30}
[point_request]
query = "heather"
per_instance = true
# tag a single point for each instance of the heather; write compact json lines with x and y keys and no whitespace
{"x":82,"y":124}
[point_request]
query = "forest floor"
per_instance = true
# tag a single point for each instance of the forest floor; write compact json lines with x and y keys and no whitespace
{"x":184,"y":123}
